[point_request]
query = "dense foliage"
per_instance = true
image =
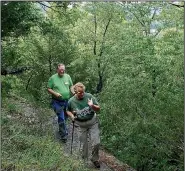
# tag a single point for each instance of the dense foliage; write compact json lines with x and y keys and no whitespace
{"x":129,"y":54}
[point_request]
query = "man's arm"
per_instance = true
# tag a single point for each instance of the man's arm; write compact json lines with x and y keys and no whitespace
{"x":68,"y":111}
{"x":70,"y":114}
{"x":54,"y":93}
{"x":50,"y":90}
{"x":93,"y":106}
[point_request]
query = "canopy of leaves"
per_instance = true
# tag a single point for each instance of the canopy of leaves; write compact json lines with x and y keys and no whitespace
{"x":18,"y":18}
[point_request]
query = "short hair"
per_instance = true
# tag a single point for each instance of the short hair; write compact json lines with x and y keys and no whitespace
{"x":60,"y":65}
{"x":77,"y":85}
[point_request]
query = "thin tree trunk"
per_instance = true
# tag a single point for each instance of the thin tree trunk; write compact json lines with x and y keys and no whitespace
{"x":154,"y":88}
{"x":50,"y":63}
{"x":95,"y":29}
{"x":28,"y":82}
{"x":100,"y":72}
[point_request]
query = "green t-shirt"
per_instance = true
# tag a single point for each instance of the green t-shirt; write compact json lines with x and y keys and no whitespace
{"x":81,"y":107}
{"x":61,"y":85}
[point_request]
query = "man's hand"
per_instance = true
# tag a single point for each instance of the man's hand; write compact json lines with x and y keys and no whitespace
{"x":74,"y":113}
{"x":90,"y":102}
{"x":54,"y":93}
{"x":58,"y":95}
{"x":93,"y":107}
{"x":72,"y":117}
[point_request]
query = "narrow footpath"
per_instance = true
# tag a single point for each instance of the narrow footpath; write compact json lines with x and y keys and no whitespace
{"x":107,"y":161}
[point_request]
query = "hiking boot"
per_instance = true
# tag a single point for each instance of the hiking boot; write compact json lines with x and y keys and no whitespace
{"x":63,"y":140}
{"x":62,"y":129}
{"x":96,"y":164}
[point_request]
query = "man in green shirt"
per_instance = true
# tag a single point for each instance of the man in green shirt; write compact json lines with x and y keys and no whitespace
{"x":59,"y":86}
{"x":81,"y":108}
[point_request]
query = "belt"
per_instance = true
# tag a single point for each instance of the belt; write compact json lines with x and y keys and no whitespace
{"x":81,"y":120}
{"x":60,"y":100}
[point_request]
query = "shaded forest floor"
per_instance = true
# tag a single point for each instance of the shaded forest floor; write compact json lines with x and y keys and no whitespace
{"x":32,"y":114}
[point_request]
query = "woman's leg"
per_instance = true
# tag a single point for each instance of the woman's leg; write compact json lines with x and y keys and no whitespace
{"x":95,"y":140}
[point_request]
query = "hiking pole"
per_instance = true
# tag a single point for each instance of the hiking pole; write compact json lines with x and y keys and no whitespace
{"x":72,"y":137}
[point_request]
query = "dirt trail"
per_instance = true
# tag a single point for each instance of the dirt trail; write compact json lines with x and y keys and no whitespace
{"x":107,"y":161}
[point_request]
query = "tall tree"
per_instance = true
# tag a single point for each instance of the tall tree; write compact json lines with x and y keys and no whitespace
{"x":18,"y":18}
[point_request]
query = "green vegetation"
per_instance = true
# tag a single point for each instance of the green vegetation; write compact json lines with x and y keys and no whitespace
{"x":28,"y":142}
{"x":128,"y":54}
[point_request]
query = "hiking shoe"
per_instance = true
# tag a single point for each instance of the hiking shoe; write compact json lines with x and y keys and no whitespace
{"x":63,"y":140}
{"x":96,"y":164}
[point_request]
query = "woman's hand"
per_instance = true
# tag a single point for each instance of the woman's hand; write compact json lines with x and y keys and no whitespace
{"x":90,"y":102}
{"x":72,"y":117}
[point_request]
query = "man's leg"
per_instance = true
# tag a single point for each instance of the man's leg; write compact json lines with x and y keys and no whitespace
{"x":62,"y":126}
{"x":84,"y":142}
{"x":95,"y":140}
{"x":58,"y":108}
